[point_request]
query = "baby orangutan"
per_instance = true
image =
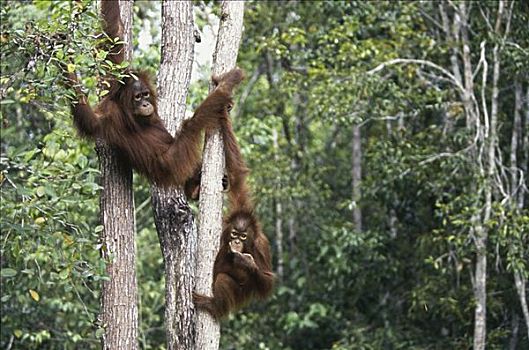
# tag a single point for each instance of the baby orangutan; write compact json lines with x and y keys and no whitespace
{"x":242,"y":269}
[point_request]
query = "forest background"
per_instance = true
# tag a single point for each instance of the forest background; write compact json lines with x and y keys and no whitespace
{"x":388,"y":143}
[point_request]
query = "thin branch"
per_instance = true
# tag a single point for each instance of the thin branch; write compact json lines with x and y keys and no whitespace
{"x":486,"y":18}
{"x":430,"y":18}
{"x":515,"y":45}
{"x":247,"y":90}
{"x":483,"y":88}
{"x":508,"y":25}
{"x":481,"y":60}
{"x":389,"y":117}
{"x":430,"y":64}
{"x":497,"y":25}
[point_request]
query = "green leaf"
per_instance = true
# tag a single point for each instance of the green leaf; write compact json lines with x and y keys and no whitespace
{"x":71,"y":67}
{"x":7,"y":272}
{"x":40,"y":191}
{"x":30,"y":272}
{"x":100,"y":332}
{"x":30,"y":154}
{"x":101,"y":55}
{"x":40,"y":220}
{"x":59,"y":54}
{"x":64,"y":274}
{"x":82,"y":161}
{"x":92,"y":14}
{"x":68,"y":240}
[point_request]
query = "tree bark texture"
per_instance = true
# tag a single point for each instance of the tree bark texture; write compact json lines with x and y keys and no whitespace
{"x":480,"y":290}
{"x":119,"y":295}
{"x":210,"y":225}
{"x":173,"y":217}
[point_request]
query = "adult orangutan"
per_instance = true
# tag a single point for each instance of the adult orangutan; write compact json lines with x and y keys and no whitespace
{"x":127,"y":117}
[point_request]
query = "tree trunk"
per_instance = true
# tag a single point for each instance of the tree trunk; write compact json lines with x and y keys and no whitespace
{"x":480,"y":287}
{"x":210,"y":204}
{"x":452,"y":31}
{"x":515,"y":325}
{"x":119,"y":295}
{"x":516,"y":187}
{"x":461,"y":21}
{"x":278,"y":213}
{"x":525,"y":154}
{"x":480,"y":231}
{"x":517,"y":191}
{"x":357,"y":176}
{"x":521,"y":287}
{"x":480,"y":290}
{"x":173,"y":217}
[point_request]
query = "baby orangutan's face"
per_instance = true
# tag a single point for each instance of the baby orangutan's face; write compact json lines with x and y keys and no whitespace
{"x":237,"y":240}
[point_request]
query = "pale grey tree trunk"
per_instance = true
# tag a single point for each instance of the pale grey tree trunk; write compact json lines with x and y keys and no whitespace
{"x":210,"y":204}
{"x":521,"y":287}
{"x":279,"y":239}
{"x":490,"y":132}
{"x":473,"y":123}
{"x":520,"y":280}
{"x":292,"y":230}
{"x":173,"y":217}
{"x":479,"y":231}
{"x":515,"y":326}
{"x":452,"y":32}
{"x":517,"y":189}
{"x":297,"y":150}
{"x":525,"y":154}
{"x":119,"y":295}
{"x":461,"y":17}
{"x":356,"y":173}
{"x":278,"y":212}
{"x":490,"y":143}
{"x":480,"y":290}
{"x":516,"y":186}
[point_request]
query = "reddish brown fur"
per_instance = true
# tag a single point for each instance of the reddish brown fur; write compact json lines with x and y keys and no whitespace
{"x":113,"y":27}
{"x":236,"y":282}
{"x":235,"y":165}
{"x":144,"y":141}
{"x":236,"y":279}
